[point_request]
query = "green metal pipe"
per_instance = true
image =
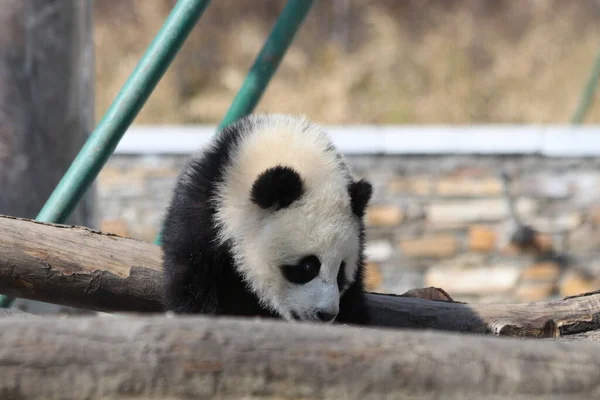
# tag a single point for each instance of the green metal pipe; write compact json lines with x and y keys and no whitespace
{"x":268,"y":60}
{"x":265,"y":65}
{"x":104,"y":139}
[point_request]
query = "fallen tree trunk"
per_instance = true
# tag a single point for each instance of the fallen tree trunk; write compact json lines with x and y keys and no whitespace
{"x":83,"y":268}
{"x":185,"y":358}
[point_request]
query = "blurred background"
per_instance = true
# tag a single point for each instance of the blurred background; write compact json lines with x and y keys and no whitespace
{"x":366,"y":61}
{"x":452,"y":93}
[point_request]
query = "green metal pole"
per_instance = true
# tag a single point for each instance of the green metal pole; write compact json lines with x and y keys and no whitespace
{"x":268,"y":60}
{"x":587,"y":95}
{"x":265,"y":65}
{"x":104,"y":139}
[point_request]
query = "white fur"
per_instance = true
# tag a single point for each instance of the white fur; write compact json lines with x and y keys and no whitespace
{"x":319,"y":223}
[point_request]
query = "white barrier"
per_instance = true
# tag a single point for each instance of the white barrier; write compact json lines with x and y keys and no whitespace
{"x":550,"y":141}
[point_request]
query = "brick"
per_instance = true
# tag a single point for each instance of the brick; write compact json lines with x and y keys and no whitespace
{"x":431,"y":246}
{"x":481,"y":238}
{"x":586,"y":186}
{"x":399,"y":280}
{"x":384,"y":215}
{"x":468,"y":259}
{"x":416,"y":185}
{"x":503,"y":231}
{"x":378,"y":250}
{"x":594,"y":214}
{"x":145,"y":232}
{"x":120,"y":175}
{"x":583,"y":239}
{"x":133,"y":181}
{"x":547,"y":185}
{"x":574,"y":283}
{"x":543,"y":272}
{"x":164,"y":172}
{"x":463,"y":186}
{"x":373,"y":277}
{"x":414,"y":211}
{"x":543,"y":243}
{"x":534,"y":291}
{"x":115,"y":226}
{"x":113,"y":182}
{"x":470,"y":171}
{"x":109,"y":173}
{"x":465,"y":211}
{"x":568,"y":221}
{"x":482,"y":280}
{"x":445,"y":226}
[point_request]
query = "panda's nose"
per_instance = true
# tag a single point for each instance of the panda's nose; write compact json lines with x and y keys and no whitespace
{"x":326,"y":316}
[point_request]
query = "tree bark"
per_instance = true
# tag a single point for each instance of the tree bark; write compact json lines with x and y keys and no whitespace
{"x":197,"y":358}
{"x":46,"y":103}
{"x":46,"y":100}
{"x":81,"y":267}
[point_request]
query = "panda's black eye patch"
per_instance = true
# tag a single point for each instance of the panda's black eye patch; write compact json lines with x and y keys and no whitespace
{"x":302,"y":272}
{"x":341,"y":276}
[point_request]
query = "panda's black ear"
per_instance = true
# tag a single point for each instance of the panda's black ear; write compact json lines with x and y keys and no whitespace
{"x":360,"y":194}
{"x":277,"y":187}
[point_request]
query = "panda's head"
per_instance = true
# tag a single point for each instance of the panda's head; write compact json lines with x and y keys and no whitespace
{"x":293,"y":216}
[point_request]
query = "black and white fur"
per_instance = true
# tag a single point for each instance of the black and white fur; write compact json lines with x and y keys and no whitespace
{"x":267,"y":221}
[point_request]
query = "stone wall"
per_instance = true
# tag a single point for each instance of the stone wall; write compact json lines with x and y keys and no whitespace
{"x":434,"y":220}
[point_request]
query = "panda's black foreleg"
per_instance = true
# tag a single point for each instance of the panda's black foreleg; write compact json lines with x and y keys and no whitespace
{"x":187,"y":290}
{"x":353,"y":309}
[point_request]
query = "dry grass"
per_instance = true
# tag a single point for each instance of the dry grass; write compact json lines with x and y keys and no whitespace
{"x":419,"y":61}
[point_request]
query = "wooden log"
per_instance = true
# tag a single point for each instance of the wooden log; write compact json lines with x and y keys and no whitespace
{"x":79,"y":267}
{"x":201,"y":358}
{"x":88,"y":269}
{"x":15,"y":313}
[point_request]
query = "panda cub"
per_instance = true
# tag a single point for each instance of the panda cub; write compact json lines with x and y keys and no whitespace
{"x":267,"y":221}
